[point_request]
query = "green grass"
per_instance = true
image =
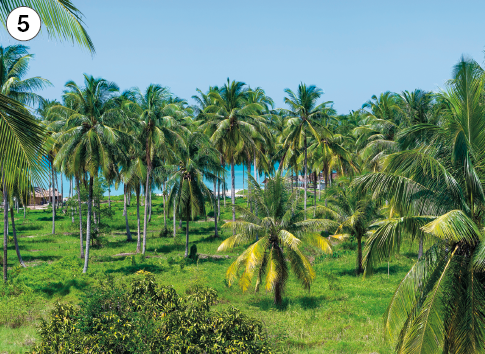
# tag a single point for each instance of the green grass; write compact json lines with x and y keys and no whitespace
{"x":341,"y":314}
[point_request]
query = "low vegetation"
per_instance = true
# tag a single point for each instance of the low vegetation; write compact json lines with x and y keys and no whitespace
{"x":342,"y":313}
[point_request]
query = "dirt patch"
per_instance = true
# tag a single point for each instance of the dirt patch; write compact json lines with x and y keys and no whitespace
{"x":212,"y":256}
{"x":34,"y":250}
{"x":124,"y":254}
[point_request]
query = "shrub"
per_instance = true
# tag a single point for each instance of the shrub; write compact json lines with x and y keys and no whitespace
{"x":193,"y":256}
{"x":149,"y":319}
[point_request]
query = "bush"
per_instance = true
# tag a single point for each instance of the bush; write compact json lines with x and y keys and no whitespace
{"x":149,"y":319}
{"x":166,"y":233}
{"x":193,"y":256}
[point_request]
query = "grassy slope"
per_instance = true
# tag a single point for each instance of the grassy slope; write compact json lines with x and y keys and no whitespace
{"x":341,"y":313}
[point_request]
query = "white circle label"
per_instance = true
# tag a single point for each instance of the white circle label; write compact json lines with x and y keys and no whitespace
{"x":23,"y":23}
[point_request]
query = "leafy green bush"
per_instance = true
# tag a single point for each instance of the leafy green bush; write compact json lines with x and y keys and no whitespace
{"x":149,"y":319}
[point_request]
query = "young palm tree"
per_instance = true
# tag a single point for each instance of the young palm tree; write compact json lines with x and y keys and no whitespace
{"x":355,"y":212}
{"x":304,"y":121}
{"x":281,"y":229}
{"x":439,"y":306}
{"x":188,"y":192}
{"x":89,"y":143}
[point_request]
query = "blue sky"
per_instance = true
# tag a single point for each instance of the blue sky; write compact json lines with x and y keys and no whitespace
{"x":351,"y":49}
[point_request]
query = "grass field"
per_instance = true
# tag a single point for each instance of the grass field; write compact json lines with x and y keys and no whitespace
{"x":341,"y":314}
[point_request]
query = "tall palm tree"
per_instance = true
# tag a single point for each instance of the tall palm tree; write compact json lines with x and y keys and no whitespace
{"x":160,"y":130}
{"x":236,"y":123}
{"x":53,"y":123}
{"x":305,"y":115}
{"x":188,"y":192}
{"x":204,"y":100}
{"x":439,"y":305}
{"x":281,"y":229}
{"x":21,"y":138}
{"x":89,"y":142}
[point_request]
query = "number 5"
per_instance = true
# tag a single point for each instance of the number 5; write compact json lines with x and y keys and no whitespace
{"x":26,"y":28}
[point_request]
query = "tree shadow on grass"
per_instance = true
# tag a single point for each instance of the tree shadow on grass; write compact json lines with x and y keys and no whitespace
{"x":117,"y":244}
{"x":35,"y":257}
{"x":311,"y":302}
{"x":62,"y":288}
{"x":268,"y":304}
{"x":412,"y":255}
{"x":167,"y":248}
{"x":393,"y":269}
{"x":49,"y":218}
{"x":28,"y":227}
{"x":152,"y":268}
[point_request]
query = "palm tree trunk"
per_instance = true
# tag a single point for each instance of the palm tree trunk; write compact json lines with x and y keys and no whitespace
{"x":80,"y":216}
{"x":219,"y":198}
{"x":5,"y":227}
{"x":145,"y":218}
{"x":360,"y":269}
{"x":319,"y":188}
{"x":138,"y":242}
{"x":249,"y":204}
{"x":187,"y":237}
{"x":421,"y":240}
{"x":243,"y":174}
{"x":95,"y":220}
{"x":164,"y":209}
{"x":314,"y":191}
{"x":129,"y":198}
{"x":109,"y":197}
{"x":215,"y":212}
{"x":53,"y":204}
{"x":62,"y":192}
{"x":233,"y":191}
{"x":15,"y":240}
{"x":125,"y":213}
{"x":25,"y":207}
{"x":174,"y":219}
{"x":277,"y":293}
{"x":305,"y":178}
{"x":88,"y":224}
{"x":325,"y":172}
{"x":71,"y":194}
{"x":150,"y":206}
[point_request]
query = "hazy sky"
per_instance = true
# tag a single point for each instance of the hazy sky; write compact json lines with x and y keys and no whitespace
{"x":350,"y":49}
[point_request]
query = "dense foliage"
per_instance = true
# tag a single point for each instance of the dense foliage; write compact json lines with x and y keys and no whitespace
{"x":149,"y":319}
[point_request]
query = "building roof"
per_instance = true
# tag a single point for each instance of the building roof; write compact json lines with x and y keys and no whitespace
{"x":46,"y":193}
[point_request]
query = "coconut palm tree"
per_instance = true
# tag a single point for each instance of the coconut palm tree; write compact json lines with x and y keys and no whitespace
{"x":160,"y":130}
{"x":304,"y":119}
{"x":282,"y":230}
{"x":235,"y":124}
{"x":53,"y":123}
{"x":355,"y":212}
{"x":439,"y":305}
{"x":188,"y":192}
{"x":89,"y":143}
{"x":21,"y":138}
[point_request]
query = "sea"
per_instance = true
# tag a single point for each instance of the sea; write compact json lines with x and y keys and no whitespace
{"x":239,"y":184}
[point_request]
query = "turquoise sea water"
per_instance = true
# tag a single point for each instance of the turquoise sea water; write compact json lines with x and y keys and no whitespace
{"x":238,"y":181}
